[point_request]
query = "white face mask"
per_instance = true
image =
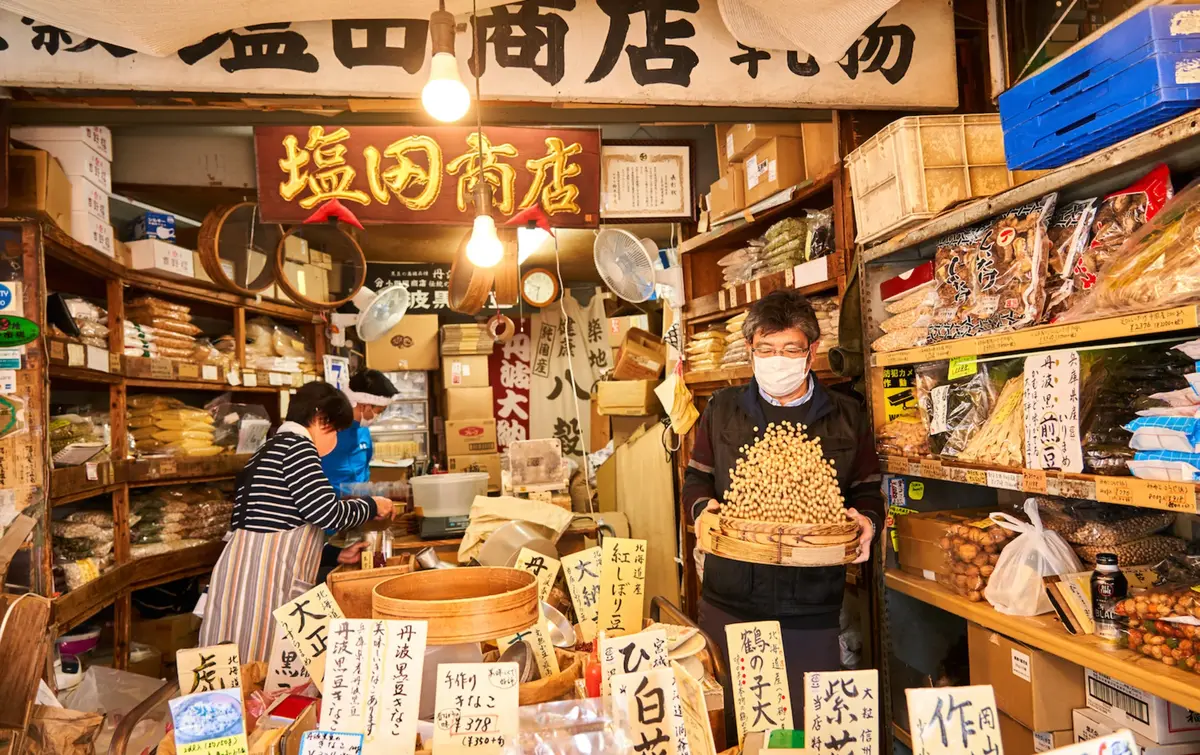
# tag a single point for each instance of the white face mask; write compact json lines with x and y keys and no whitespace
{"x":780,"y":375}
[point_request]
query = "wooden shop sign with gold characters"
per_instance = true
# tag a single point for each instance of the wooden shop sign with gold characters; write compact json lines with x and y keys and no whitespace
{"x":388,"y":174}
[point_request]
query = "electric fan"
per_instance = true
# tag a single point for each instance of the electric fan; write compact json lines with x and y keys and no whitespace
{"x":379,"y":313}
{"x":626,"y":264}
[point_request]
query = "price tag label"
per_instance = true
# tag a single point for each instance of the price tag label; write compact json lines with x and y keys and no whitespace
{"x":188,"y":371}
{"x":977,"y":477}
{"x":58,"y":350}
{"x":961,"y":367}
{"x":1033,"y":481}
{"x":955,"y":474}
{"x":895,"y":465}
{"x":931,"y":468}
{"x":114,"y":363}
{"x":1114,"y":490}
{"x":75,"y":355}
{"x":250,"y":379}
{"x":1171,"y":496}
{"x":1004,"y":480}
{"x":276,"y":378}
{"x":210,"y":372}
{"x":721,"y":299}
{"x":167,"y":468}
{"x":162,"y":369}
{"x":93,"y":471}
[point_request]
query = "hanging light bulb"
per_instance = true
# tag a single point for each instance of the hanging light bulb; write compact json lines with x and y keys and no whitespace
{"x":445,"y":96}
{"x":484,"y":248}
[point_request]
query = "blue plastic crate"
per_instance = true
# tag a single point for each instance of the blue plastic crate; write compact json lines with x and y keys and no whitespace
{"x":1122,"y":83}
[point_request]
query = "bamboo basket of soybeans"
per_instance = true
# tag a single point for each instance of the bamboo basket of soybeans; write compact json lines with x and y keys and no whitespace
{"x":783,"y":506}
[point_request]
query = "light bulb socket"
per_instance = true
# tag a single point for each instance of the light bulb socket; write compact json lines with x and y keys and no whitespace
{"x":441,"y":31}
{"x":482,"y":196}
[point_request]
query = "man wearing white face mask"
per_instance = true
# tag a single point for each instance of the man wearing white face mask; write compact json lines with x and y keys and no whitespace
{"x":782,"y":332}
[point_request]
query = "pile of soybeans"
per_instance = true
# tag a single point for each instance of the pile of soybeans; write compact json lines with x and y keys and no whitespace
{"x":784,"y":477}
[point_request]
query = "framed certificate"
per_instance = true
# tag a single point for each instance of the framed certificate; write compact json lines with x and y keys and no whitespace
{"x":644,"y":181}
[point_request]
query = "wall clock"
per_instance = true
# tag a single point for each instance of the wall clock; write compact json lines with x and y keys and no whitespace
{"x":539,"y":287}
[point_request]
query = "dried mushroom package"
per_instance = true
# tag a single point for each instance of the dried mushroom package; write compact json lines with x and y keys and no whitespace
{"x":1069,"y":232}
{"x":1107,"y":257}
{"x":953,"y":294}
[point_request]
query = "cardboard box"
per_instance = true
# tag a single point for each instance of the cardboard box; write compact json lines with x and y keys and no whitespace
{"x":411,"y":345}
{"x":125,"y":256}
{"x":168,"y":634}
{"x":295,"y":249}
{"x":154,"y":225}
{"x":98,"y":138}
{"x":37,"y":183}
{"x":78,"y":158}
{"x":1037,"y":689}
{"x":619,"y":326}
{"x":489,"y":463}
{"x":96,"y":233}
{"x":606,"y":485}
{"x":469,"y":437}
{"x":1141,"y":712}
{"x":921,"y":557}
{"x":724,"y":132}
{"x":623,"y":427}
{"x":161,"y":258}
{"x":1021,"y":741}
{"x":626,"y":398}
{"x":465,"y":372}
{"x":469,"y":403}
{"x":820,"y":147}
{"x":600,"y":429}
{"x":86,"y":196}
{"x":728,"y":195}
{"x":642,"y":356}
{"x":777,"y":165}
{"x":320,"y":259}
{"x":198,"y":268}
{"x":1090,"y":724}
{"x":744,"y":138}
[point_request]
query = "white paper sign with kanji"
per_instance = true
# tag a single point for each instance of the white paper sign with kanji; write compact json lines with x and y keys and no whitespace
{"x":306,"y":622}
{"x":325,"y":742}
{"x":762,"y":701}
{"x":475,"y":707}
{"x":541,"y":566}
{"x":694,"y":709}
{"x":954,"y":720}
{"x":631,"y":653}
{"x":622,"y":585}
{"x":539,"y":643}
{"x":582,"y":571}
{"x":373,"y":682}
{"x":841,"y":712}
{"x":648,"y":711}
{"x":208,"y":668}
{"x":1052,"y":439}
{"x":285,"y":670}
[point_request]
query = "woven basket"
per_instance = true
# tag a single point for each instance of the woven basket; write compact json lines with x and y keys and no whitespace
{"x":779,"y":543}
{"x":469,"y":604}
{"x":352,"y":588}
{"x":558,"y":686}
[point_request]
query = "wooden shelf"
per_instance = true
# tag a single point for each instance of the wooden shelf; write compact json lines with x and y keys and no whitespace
{"x":169,"y":470}
{"x":180,"y":481}
{"x":70,"y":484}
{"x":1103,"y":171}
{"x":1044,"y":632}
{"x":77,"y":606}
{"x":1049,"y":336}
{"x":199,"y":385}
{"x":733,"y":299}
{"x":901,"y":735}
{"x":1179,"y":497}
{"x":744,"y":228}
{"x":167,"y":567}
{"x":82,"y":375}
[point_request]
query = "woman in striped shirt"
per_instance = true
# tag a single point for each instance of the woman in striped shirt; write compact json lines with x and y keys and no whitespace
{"x":283,"y":503}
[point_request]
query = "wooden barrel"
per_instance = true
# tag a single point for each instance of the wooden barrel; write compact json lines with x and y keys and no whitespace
{"x":469,"y":604}
{"x":560,"y":686}
{"x":353,"y":588}
{"x":779,"y":543}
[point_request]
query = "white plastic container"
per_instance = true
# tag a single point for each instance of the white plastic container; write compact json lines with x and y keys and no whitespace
{"x":920,"y":165}
{"x":448,"y":494}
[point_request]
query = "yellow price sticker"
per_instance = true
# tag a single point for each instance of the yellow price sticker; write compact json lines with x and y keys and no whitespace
{"x":961,"y":367}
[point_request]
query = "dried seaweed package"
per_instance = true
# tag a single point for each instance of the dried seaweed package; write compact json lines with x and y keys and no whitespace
{"x":953,"y":293}
{"x":1010,"y":269}
{"x":1069,"y":232}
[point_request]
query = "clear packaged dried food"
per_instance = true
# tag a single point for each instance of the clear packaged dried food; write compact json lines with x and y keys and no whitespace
{"x":908,"y":338}
{"x":923,"y":295}
{"x":1140,"y":552}
{"x":1001,"y":440}
{"x":953,"y":410}
{"x":972,"y":553}
{"x":1070,"y":231}
{"x":1105,"y":265}
{"x":903,"y":436}
{"x":1095,"y":524}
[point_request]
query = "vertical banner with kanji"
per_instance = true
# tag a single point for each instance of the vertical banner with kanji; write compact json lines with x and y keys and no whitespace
{"x":510,"y":374}
{"x":559,"y":395}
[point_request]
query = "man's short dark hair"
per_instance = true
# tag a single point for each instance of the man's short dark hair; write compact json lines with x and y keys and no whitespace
{"x":320,"y":401}
{"x":781,"y":310}
{"x":373,"y":382}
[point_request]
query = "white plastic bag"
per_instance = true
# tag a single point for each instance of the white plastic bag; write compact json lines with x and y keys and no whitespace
{"x":1015,"y":587}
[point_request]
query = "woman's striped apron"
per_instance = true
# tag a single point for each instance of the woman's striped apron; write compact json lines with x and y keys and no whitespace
{"x":257,"y":573}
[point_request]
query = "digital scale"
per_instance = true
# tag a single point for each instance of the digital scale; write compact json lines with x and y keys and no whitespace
{"x":442,"y":527}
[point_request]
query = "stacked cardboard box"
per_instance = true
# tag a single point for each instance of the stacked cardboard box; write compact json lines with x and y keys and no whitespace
{"x":1036,"y":691}
{"x":627,"y":401}
{"x":758,"y":160}
{"x":469,"y":409}
{"x":1160,"y":727}
{"x":85,"y":154}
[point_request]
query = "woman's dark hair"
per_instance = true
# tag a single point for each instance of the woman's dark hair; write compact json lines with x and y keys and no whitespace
{"x":373,"y":382}
{"x":783,"y":309}
{"x":320,"y":401}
